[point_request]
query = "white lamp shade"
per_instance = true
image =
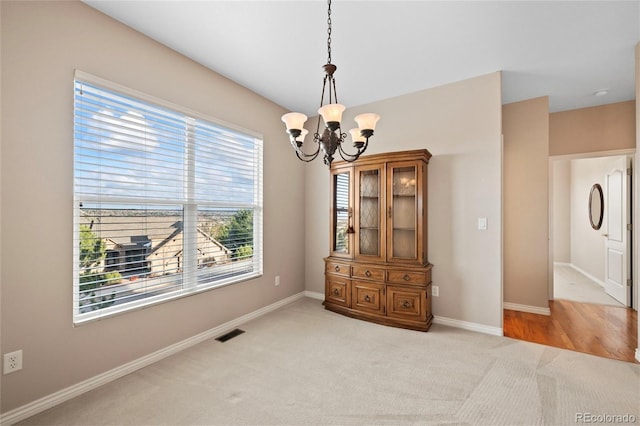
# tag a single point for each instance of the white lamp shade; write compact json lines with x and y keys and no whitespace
{"x":302,"y":135}
{"x":356,"y":136}
{"x":332,"y":112}
{"x":367,"y":121}
{"x":294,"y":120}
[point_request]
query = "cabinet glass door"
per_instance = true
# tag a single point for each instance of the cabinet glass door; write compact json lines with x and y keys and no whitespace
{"x":403,"y":223}
{"x":341,"y":225}
{"x":369,"y":237}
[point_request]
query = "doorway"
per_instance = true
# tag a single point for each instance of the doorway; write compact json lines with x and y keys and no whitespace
{"x":586,"y":325}
{"x":590,"y":260}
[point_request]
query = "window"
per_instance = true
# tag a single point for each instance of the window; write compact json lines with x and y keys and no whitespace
{"x":167,"y":202}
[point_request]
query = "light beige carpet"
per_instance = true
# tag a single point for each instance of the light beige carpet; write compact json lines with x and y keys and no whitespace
{"x":302,"y":365}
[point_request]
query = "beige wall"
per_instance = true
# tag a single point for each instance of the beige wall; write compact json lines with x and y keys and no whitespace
{"x":561,"y":203}
{"x":601,"y":128}
{"x":42,"y":44}
{"x":526,"y":199}
{"x":460,"y":124}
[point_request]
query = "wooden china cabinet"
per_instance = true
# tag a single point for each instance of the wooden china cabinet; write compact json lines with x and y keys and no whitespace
{"x":377,"y":269}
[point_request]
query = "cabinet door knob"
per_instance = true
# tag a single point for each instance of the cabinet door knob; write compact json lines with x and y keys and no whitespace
{"x":406,"y":304}
{"x":337,"y":268}
{"x":336,"y":292}
{"x":406,"y":277}
{"x":368,"y":274}
{"x":367,"y":298}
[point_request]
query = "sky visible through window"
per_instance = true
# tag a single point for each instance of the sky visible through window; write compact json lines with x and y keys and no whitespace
{"x":108,"y":138}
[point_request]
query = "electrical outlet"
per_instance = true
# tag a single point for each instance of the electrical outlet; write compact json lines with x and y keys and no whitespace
{"x":12,"y":362}
{"x":277,"y":280}
{"x":435,"y":291}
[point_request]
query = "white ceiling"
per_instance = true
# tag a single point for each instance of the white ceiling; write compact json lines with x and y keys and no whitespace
{"x":566,"y":50}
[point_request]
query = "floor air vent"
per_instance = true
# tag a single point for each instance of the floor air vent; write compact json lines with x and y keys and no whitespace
{"x":229,"y":335}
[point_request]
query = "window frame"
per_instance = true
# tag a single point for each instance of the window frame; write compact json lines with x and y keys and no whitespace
{"x":191,"y":285}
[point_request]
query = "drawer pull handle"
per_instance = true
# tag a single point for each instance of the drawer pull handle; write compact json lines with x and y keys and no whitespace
{"x":336,"y":292}
{"x":406,"y":304}
{"x":367,"y":298}
{"x":406,"y":277}
{"x":337,"y":268}
{"x":368,"y":274}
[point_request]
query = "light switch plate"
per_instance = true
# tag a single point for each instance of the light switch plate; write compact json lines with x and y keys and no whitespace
{"x":482,"y":223}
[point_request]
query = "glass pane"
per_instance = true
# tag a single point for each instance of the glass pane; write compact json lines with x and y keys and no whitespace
{"x":225,"y":243}
{"x":341,"y":214}
{"x":369,"y":213}
{"x":128,"y":252}
{"x":404,"y":212}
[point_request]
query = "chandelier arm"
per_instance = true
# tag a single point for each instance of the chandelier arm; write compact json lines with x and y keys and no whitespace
{"x":352,"y":157}
{"x":346,"y":156}
{"x":307,"y":158}
{"x":302,"y":155}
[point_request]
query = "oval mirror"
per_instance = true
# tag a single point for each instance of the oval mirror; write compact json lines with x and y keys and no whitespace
{"x":596,"y":206}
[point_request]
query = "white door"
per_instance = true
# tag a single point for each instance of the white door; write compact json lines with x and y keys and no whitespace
{"x":616,"y":213}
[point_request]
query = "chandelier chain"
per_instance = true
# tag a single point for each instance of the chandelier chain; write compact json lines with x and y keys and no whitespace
{"x":329,"y":31}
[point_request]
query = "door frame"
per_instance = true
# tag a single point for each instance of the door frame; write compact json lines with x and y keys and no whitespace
{"x":634,"y":214}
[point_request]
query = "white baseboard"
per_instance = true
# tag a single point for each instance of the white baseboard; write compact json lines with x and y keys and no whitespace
{"x":526,"y":308}
{"x":561,"y":264}
{"x":471,"y":326}
{"x":314,"y":295}
{"x":638,"y":354}
{"x":49,"y":401}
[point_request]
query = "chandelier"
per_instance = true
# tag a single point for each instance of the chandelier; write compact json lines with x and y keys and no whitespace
{"x":331,"y":139}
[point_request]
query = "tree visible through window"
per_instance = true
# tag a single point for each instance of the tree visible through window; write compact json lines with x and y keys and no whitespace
{"x":166,"y":203}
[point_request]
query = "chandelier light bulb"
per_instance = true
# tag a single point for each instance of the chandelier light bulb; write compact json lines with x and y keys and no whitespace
{"x":332,"y":113}
{"x":294,"y":120}
{"x":367,"y":121}
{"x":303,"y":134}
{"x":356,"y":135}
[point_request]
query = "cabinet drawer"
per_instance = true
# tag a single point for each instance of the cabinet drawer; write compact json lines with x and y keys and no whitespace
{"x":337,"y":291}
{"x":368,"y":297}
{"x":368,"y":273}
{"x":407,"y":304}
{"x":338,"y":268}
{"x":398,"y":276}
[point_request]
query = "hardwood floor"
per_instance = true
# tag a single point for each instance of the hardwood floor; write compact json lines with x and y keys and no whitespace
{"x":605,"y":331}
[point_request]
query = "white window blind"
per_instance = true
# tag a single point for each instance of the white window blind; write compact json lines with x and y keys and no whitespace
{"x":167,"y":202}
